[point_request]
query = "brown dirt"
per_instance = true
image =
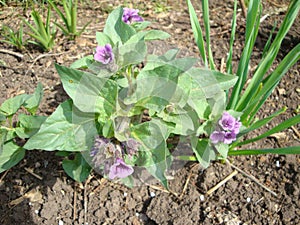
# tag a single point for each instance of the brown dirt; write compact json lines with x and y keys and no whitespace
{"x":25,"y":199}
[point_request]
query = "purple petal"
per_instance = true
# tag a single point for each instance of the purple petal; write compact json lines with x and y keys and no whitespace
{"x":227,"y":122}
{"x":217,"y":136}
{"x":229,"y":137}
{"x":104,"y":54}
{"x":131,"y":15}
{"x":120,"y":170}
{"x":237,"y":126}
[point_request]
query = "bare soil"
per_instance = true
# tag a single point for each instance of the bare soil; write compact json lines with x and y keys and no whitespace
{"x":37,"y":191}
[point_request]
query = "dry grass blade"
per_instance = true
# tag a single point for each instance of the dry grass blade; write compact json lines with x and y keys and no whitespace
{"x":210,"y":191}
{"x":252,"y":178}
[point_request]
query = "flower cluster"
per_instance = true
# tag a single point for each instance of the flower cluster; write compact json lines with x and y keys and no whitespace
{"x":109,"y":154}
{"x":131,"y":15}
{"x":227,"y":129}
{"x":104,"y":54}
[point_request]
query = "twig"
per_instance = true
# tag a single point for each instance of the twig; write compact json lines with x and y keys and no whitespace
{"x":85,"y":199}
{"x":19,"y":55}
{"x":252,"y":178}
{"x":187,"y":181}
{"x":74,"y":203}
{"x":33,"y":174}
{"x":42,"y":56}
{"x":163,"y":190}
{"x":185,"y":185}
{"x":210,"y":191}
{"x":296,"y":131}
{"x":1,"y":179}
{"x":223,"y":65}
{"x":244,"y":8}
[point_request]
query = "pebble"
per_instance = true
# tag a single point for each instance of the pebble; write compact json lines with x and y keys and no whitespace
{"x":202,"y":198}
{"x":152,"y":194}
{"x":60,"y":222}
{"x":125,"y":194}
{"x":277,"y":164}
{"x":248,"y":199}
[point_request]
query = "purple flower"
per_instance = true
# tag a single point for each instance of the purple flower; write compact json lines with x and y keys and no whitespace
{"x":217,"y":136}
{"x":104,"y":54}
{"x":120,"y":170}
{"x":226,"y":130}
{"x":229,"y":137}
{"x":132,"y":146}
{"x":237,"y":126}
{"x":131,"y":15}
{"x":99,"y":143}
{"x":227,"y":122}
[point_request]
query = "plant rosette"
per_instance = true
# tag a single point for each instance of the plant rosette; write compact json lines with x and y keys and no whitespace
{"x":133,"y":116}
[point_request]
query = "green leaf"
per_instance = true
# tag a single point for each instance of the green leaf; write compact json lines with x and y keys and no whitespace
{"x":11,"y":105}
{"x":156,"y":35}
{"x":78,"y":169}
{"x":89,"y":93}
{"x":11,"y":155}
{"x":2,"y":118}
{"x":82,"y":63}
{"x":29,"y":125}
{"x":108,"y":129}
{"x":116,"y":29}
{"x":222,"y":149}
{"x":103,"y":39}
{"x":153,"y":153}
{"x":3,"y":136}
{"x":207,"y":96}
{"x":33,"y":101}
{"x":132,"y":52}
{"x":185,"y":122}
{"x":204,"y":152}
{"x":66,"y":129}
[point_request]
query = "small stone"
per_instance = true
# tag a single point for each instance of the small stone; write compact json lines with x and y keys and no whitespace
{"x":60,"y":222}
{"x":248,"y":199}
{"x":36,"y":211}
{"x":277,"y":164}
{"x":281,"y":91}
{"x":202,"y":198}
{"x":125,"y":194}
{"x":152,"y":194}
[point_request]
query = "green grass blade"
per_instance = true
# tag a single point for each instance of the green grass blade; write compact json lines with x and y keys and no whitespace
{"x":32,"y":28}
{"x":41,"y":29}
{"x":205,"y":10}
{"x":268,"y":44}
{"x":270,"y":83}
{"x":47,"y":24}
{"x":270,"y":57}
{"x":59,"y":12}
{"x":262,"y":122}
{"x":252,"y":25}
{"x":286,"y":124}
{"x":233,"y":29}
{"x":74,"y":18}
{"x":83,"y":29}
{"x":67,"y":7}
{"x":281,"y":151}
{"x":198,"y":35}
